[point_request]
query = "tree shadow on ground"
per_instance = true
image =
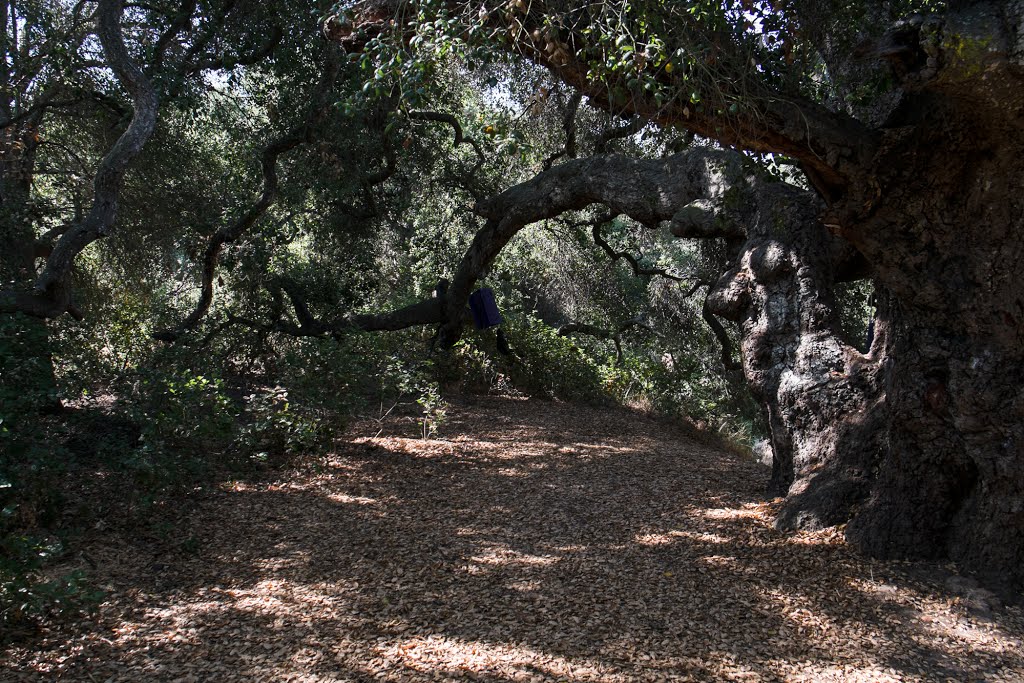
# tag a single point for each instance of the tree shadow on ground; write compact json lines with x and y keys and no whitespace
{"x":548,"y":542}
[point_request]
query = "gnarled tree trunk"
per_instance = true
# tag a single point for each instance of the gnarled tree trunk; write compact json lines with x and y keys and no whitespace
{"x":822,"y":398}
{"x":26,"y":367}
{"x":921,"y":441}
{"x":946,"y":236}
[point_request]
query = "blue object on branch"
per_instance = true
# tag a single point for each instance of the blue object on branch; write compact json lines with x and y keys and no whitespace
{"x":484,"y":309}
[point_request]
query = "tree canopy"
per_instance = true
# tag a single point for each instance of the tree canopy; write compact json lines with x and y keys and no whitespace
{"x":700,"y":207}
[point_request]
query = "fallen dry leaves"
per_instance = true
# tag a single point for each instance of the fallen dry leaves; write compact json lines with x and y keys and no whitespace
{"x":539,"y":542}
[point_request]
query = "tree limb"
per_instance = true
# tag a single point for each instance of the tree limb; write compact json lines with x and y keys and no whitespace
{"x":227,"y":62}
{"x":832,"y":146}
{"x":634,"y":263}
{"x":569,"y":126}
{"x":648,"y":191}
{"x":297,"y":136}
{"x":390,"y":165}
{"x":615,"y":336}
{"x":110,"y":174}
{"x":181,"y":21}
{"x":721,"y":335}
{"x":426,"y":312}
{"x":460,"y":139}
{"x":633,"y":127}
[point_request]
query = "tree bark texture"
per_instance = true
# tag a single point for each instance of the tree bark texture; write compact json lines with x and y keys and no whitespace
{"x":945,"y":235}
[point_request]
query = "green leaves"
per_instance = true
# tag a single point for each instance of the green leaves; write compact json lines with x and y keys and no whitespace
{"x":25,"y":595}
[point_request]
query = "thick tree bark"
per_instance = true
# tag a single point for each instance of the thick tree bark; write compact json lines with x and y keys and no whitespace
{"x":946,"y":236}
{"x":821,"y":397}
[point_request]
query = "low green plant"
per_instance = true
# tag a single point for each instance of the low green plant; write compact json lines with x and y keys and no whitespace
{"x":552,"y":365}
{"x":185,"y":409}
{"x":31,"y":463}
{"x":25,"y":593}
{"x":435,"y":409}
{"x":273,"y":426}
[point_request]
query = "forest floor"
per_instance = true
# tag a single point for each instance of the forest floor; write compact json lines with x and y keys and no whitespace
{"x":533,"y":541}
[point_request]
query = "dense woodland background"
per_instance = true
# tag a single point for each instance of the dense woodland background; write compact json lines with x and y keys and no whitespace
{"x":228,"y":228}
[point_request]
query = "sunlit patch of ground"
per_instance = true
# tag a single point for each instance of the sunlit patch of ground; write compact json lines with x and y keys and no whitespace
{"x":538,"y":542}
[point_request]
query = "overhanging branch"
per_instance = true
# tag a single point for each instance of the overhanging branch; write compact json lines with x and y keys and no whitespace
{"x":51,"y":283}
{"x":832,"y":146}
{"x":615,"y":335}
{"x":634,"y":263}
{"x":647,"y":190}
{"x":460,"y":139}
{"x":430,"y":311}
{"x":226,"y":235}
{"x":617,"y":133}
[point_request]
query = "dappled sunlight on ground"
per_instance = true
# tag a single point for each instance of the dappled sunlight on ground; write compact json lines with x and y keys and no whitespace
{"x":539,"y":542}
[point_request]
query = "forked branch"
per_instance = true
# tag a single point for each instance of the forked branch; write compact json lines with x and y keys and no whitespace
{"x":52,"y":294}
{"x":297,"y":136}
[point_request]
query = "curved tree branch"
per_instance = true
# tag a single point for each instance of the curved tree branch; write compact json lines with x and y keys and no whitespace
{"x":833,"y":147}
{"x":390,"y":165}
{"x":721,"y":335}
{"x":634,"y":263}
{"x":460,"y":139}
{"x":569,"y":126}
{"x":226,"y":62}
{"x":181,"y":21}
{"x":226,"y":235}
{"x":632,"y":127}
{"x":648,"y":191}
{"x":109,"y":176}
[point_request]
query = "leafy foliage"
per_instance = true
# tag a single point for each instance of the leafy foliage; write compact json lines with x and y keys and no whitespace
{"x":25,"y":594}
{"x":373,"y":205}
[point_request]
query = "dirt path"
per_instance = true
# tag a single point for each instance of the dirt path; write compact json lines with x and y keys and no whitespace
{"x":542,"y":542}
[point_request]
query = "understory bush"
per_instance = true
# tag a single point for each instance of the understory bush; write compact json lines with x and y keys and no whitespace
{"x":548,"y":365}
{"x":31,"y":465}
{"x":25,"y":592}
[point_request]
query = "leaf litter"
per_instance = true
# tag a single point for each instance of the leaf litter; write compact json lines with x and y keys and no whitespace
{"x":535,"y":541}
